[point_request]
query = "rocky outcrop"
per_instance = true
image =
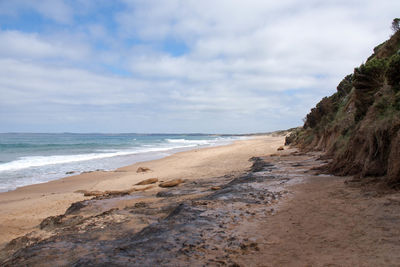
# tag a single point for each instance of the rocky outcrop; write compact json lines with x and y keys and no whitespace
{"x":194,"y":226}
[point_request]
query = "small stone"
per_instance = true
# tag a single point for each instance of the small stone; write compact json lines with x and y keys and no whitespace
{"x":215,"y":188}
{"x":142,"y":169}
{"x":280,"y":148}
{"x":117,"y":192}
{"x":171,"y":183}
{"x":140,"y":205}
{"x":148,"y":181}
{"x":93,"y":193}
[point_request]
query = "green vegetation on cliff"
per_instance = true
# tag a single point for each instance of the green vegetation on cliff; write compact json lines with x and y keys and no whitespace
{"x":359,"y":125}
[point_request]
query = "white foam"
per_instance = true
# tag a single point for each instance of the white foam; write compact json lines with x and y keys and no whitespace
{"x":38,"y":161}
{"x":186,"y":141}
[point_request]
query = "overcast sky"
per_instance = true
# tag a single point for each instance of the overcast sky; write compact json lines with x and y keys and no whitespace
{"x":212,"y":66}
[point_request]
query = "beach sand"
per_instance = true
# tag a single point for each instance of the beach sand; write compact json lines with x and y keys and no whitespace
{"x":240,"y":205}
{"x":22,"y":210}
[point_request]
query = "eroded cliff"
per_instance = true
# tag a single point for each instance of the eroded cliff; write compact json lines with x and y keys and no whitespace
{"x":359,"y":125}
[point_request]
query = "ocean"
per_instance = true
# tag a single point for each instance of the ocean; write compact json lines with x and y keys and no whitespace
{"x":31,"y":158}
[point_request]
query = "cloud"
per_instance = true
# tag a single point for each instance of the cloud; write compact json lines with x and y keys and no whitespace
{"x":16,"y":44}
{"x":182,"y":65}
{"x":56,"y":10}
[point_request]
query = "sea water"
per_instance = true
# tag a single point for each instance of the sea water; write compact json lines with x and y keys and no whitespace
{"x":27,"y":158}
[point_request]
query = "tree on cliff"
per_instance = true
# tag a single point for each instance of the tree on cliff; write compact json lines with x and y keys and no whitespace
{"x":396,"y":24}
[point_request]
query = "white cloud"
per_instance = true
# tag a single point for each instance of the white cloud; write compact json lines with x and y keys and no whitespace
{"x":25,"y":83}
{"x":56,"y":10}
{"x":247,"y":65}
{"x":15,"y":44}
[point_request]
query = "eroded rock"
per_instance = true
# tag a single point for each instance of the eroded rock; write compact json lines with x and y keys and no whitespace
{"x":171,"y":183}
{"x":148,"y":181}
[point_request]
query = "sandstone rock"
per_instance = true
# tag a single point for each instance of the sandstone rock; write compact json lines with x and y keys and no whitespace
{"x":142,"y":189}
{"x":117,"y":192}
{"x":112,"y":192}
{"x":171,"y":183}
{"x":93,"y":193}
{"x":148,"y":181}
{"x":142,"y":169}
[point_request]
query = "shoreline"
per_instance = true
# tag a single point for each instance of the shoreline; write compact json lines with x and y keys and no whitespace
{"x":234,"y":210}
{"x":169,"y":152}
{"x":280,"y":211}
{"x":26,"y":170}
{"x":22,"y":209}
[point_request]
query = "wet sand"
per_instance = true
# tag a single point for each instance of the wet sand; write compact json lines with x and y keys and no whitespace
{"x":22,"y":210}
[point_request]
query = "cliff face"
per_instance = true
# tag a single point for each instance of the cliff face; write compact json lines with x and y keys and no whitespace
{"x":359,"y":125}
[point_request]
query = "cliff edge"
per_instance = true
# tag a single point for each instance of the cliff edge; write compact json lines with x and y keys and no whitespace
{"x":359,"y":126}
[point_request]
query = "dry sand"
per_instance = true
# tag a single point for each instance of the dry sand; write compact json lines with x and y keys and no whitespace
{"x":23,"y":209}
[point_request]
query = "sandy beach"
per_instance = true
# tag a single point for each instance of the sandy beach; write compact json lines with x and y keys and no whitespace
{"x":244,"y":204}
{"x":22,"y":210}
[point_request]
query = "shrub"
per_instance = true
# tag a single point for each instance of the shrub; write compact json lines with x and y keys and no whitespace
{"x":345,"y":85}
{"x":367,"y":79}
{"x":370,"y":74}
{"x":396,"y":24}
{"x":396,"y":103}
{"x":393,"y":72}
{"x":325,"y":107}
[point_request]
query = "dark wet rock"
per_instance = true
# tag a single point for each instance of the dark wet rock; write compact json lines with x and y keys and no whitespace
{"x":177,"y":234}
{"x":70,"y":172}
{"x":259,"y":164}
{"x":249,"y":246}
{"x":54,"y":222}
{"x":178,"y":191}
{"x":76,"y":207}
{"x":118,"y":192}
{"x":19,"y":242}
{"x":93,"y":193}
{"x":140,"y":205}
{"x":165,"y":194}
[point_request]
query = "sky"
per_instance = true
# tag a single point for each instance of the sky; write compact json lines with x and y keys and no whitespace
{"x":178,"y":66}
